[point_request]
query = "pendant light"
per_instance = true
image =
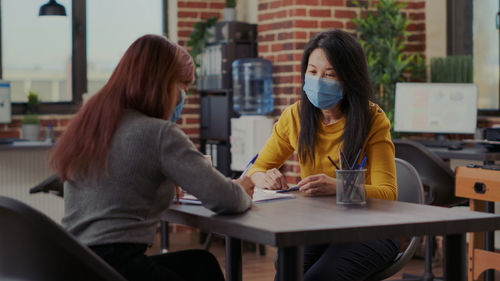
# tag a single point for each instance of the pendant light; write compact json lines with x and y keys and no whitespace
{"x":52,"y":8}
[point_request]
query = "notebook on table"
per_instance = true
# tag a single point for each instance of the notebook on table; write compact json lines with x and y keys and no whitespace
{"x":259,"y":196}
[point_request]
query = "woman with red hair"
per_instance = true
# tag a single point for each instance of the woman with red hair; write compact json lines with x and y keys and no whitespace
{"x":121,"y":157}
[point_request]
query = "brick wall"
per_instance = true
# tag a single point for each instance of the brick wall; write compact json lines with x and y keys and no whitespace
{"x":285,"y":26}
{"x":190,"y":12}
{"x":13,"y":130}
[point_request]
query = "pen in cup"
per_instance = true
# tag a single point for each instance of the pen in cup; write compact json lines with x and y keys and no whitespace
{"x":345,"y":162}
{"x":340,"y":161}
{"x":333,"y":162}
{"x":363,"y":162}
{"x":350,"y":180}
{"x":354,"y":164}
{"x":361,"y":166}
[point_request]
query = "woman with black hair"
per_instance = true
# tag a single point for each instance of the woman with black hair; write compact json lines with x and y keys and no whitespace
{"x":334,"y":114}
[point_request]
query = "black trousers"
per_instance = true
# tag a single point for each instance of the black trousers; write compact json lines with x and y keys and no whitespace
{"x":347,"y":261}
{"x":131,"y":262}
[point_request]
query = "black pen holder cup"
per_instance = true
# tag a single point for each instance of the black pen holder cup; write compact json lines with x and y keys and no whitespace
{"x":351,"y":187}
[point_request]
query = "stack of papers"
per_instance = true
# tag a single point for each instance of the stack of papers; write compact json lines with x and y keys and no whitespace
{"x":263,"y":195}
{"x":32,"y":143}
{"x":259,"y":196}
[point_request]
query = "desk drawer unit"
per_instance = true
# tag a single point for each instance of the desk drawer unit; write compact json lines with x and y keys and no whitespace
{"x":480,"y":186}
{"x":477,"y":183}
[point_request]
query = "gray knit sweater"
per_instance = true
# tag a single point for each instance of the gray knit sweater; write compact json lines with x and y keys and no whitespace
{"x":146,"y":157}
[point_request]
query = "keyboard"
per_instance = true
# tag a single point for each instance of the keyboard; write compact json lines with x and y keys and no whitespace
{"x":10,"y":140}
{"x":6,"y":140}
{"x":439,"y":143}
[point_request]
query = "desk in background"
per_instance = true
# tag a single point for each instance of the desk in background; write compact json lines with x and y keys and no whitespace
{"x":474,"y":153}
{"x":291,"y":224}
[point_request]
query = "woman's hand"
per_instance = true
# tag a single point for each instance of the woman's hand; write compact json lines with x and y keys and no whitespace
{"x":247,"y":184}
{"x":179,"y":193}
{"x":271,"y":179}
{"x":318,"y":185}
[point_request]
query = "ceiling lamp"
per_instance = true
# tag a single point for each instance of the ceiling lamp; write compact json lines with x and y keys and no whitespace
{"x":52,"y":8}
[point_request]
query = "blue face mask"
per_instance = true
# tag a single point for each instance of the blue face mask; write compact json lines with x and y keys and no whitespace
{"x":323,"y":93}
{"x":178,"y":108}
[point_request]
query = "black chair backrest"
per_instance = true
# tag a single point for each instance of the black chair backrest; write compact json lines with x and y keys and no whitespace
{"x":433,"y":172}
{"x":33,"y":247}
{"x":51,"y":184}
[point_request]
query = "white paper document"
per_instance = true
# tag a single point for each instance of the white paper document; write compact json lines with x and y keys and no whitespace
{"x":259,"y":196}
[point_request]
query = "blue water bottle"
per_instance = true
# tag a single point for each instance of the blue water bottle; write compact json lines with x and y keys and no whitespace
{"x":252,"y":86}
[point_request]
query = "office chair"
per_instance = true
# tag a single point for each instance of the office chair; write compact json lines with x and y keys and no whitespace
{"x":440,"y":180}
{"x":36,"y":248}
{"x":51,"y":184}
{"x":54,"y":185}
{"x":410,"y":189}
{"x":433,"y":171}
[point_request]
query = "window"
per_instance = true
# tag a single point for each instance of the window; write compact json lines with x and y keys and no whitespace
{"x":473,"y":29}
{"x":49,"y":54}
{"x":108,"y":38}
{"x":486,"y":54}
{"x":36,"y":51}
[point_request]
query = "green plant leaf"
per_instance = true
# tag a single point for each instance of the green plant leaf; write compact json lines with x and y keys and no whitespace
{"x":33,"y":102}
{"x":230,"y":3}
{"x":381,"y":30}
{"x":199,"y":37}
{"x":30,"y":119}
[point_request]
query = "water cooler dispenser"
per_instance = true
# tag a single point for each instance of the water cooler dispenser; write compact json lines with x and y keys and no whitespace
{"x":252,"y":100}
{"x":252,"y":86}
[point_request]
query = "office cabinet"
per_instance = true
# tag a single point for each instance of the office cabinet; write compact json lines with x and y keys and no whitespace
{"x":233,"y":40}
{"x":248,"y":136}
{"x":214,"y":111}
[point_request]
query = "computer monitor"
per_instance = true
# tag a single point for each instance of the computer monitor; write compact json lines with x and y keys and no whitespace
{"x":442,"y":108}
{"x":5,"y":104}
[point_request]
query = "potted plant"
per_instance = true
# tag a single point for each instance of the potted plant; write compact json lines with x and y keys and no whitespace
{"x":31,"y":124}
{"x":199,"y":37}
{"x":229,"y":12}
{"x":452,"y":69}
{"x":381,"y":30}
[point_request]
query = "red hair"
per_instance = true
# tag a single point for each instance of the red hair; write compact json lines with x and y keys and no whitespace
{"x":146,"y":80}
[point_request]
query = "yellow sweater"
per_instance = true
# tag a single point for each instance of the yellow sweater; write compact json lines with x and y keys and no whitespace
{"x":381,"y":170}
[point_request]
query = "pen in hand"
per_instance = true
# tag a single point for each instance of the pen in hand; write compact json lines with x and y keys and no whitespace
{"x":249,"y":165}
{"x":292,"y":188}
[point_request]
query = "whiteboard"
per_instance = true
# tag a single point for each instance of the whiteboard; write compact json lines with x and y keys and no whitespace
{"x":435,"y":108}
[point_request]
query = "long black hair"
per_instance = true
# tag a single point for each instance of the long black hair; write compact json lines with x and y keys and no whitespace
{"x":346,"y":56}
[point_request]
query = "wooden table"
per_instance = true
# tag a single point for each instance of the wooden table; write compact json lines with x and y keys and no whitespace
{"x":291,"y":224}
